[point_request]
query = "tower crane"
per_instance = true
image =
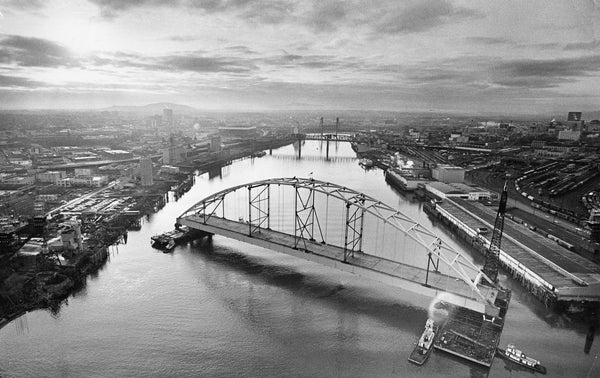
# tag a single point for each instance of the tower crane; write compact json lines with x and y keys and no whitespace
{"x":492,"y":259}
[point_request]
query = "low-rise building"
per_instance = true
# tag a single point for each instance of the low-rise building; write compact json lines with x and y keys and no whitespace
{"x":448,"y":173}
{"x":51,"y":177}
{"x":91,"y":181}
{"x":441,"y":191}
{"x":19,"y":180}
{"x":238,"y":131}
{"x":169,"y":169}
{"x":569,"y":135}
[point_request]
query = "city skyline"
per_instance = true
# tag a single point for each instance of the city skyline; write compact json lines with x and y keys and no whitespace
{"x":451,"y":56}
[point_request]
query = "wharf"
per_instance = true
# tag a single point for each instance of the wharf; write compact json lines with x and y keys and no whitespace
{"x":551,"y":272}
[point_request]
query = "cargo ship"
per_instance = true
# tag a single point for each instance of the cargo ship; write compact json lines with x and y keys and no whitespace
{"x":425,"y":344}
{"x":515,"y":355}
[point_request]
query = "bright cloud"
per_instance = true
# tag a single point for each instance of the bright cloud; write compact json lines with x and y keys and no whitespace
{"x":516,"y":56}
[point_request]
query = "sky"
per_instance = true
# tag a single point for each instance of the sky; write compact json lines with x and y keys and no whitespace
{"x":256,"y":55}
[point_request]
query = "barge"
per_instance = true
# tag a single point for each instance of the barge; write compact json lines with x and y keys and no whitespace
{"x":168,"y":240}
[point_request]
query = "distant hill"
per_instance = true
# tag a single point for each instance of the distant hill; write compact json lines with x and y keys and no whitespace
{"x":156,"y":108}
{"x":591,"y":115}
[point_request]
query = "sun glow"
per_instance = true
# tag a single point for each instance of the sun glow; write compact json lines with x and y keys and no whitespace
{"x":79,"y":34}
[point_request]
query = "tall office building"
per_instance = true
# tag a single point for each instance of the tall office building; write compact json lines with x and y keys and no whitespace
{"x":168,"y":117}
{"x":146,"y":172}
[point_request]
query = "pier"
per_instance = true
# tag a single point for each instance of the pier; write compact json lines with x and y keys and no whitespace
{"x":550,"y":272}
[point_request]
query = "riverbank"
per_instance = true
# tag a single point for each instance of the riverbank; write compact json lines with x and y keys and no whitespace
{"x":51,"y":279}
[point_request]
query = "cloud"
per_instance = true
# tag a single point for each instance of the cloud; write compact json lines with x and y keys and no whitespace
{"x":530,"y":82}
{"x":419,"y":15}
{"x":326,"y":15}
{"x":551,"y":68}
{"x":268,"y":11}
{"x":111,"y":8}
{"x":16,"y":81}
{"x":484,"y":72}
{"x":241,"y":49}
{"x":183,"y":38}
{"x":292,"y":62}
{"x":265,"y":11}
{"x":489,"y":40}
{"x":20,"y":4}
{"x":33,"y":52}
{"x":203,"y":64}
{"x":584,"y":46}
{"x":196,"y":61}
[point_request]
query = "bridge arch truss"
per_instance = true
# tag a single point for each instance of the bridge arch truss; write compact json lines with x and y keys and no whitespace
{"x":308,"y":224}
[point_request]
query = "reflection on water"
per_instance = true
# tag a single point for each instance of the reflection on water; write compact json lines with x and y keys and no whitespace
{"x":589,"y":339}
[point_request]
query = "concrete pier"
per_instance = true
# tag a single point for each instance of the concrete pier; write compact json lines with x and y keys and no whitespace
{"x":551,"y":272}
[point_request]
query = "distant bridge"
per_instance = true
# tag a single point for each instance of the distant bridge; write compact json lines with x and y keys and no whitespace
{"x":326,"y":137}
{"x":335,"y":159}
{"x":329,"y":137}
{"x":342,"y":228}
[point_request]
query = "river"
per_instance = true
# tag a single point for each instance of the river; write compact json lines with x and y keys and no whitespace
{"x":225,"y":308}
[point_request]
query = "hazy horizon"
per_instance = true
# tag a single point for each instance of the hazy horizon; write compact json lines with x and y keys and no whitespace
{"x":441,"y":56}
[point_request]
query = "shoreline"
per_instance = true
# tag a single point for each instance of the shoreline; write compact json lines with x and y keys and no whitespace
{"x":94,"y":258}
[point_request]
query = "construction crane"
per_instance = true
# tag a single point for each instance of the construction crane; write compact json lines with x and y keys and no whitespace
{"x":492,"y":259}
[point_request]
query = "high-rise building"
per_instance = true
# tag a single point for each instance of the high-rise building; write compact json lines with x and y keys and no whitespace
{"x":168,"y":117}
{"x":173,"y":154}
{"x":574,"y":121}
{"x":154,"y":121}
{"x":146,"y":172}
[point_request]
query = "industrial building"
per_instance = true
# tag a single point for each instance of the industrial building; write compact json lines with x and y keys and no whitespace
{"x":448,"y":173}
{"x":146,"y":172}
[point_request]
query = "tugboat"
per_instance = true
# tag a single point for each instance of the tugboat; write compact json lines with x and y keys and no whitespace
{"x":425,"y":345}
{"x":515,"y":355}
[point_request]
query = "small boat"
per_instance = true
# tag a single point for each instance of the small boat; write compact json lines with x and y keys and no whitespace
{"x":425,"y":344}
{"x":517,"y":356}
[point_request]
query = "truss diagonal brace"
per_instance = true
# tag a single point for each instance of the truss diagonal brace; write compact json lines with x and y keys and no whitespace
{"x":354,"y":226}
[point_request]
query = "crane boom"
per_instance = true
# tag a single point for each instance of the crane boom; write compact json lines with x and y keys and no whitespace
{"x":492,"y":259}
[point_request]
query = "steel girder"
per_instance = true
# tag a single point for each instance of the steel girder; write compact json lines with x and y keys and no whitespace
{"x":434,"y":245}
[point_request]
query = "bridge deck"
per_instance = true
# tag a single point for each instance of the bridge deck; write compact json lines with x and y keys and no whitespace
{"x":374,"y":267}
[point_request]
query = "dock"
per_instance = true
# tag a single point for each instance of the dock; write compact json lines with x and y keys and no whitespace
{"x":550,"y":272}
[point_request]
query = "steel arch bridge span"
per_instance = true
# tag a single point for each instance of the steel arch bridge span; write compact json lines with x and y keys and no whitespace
{"x":308,"y":232}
